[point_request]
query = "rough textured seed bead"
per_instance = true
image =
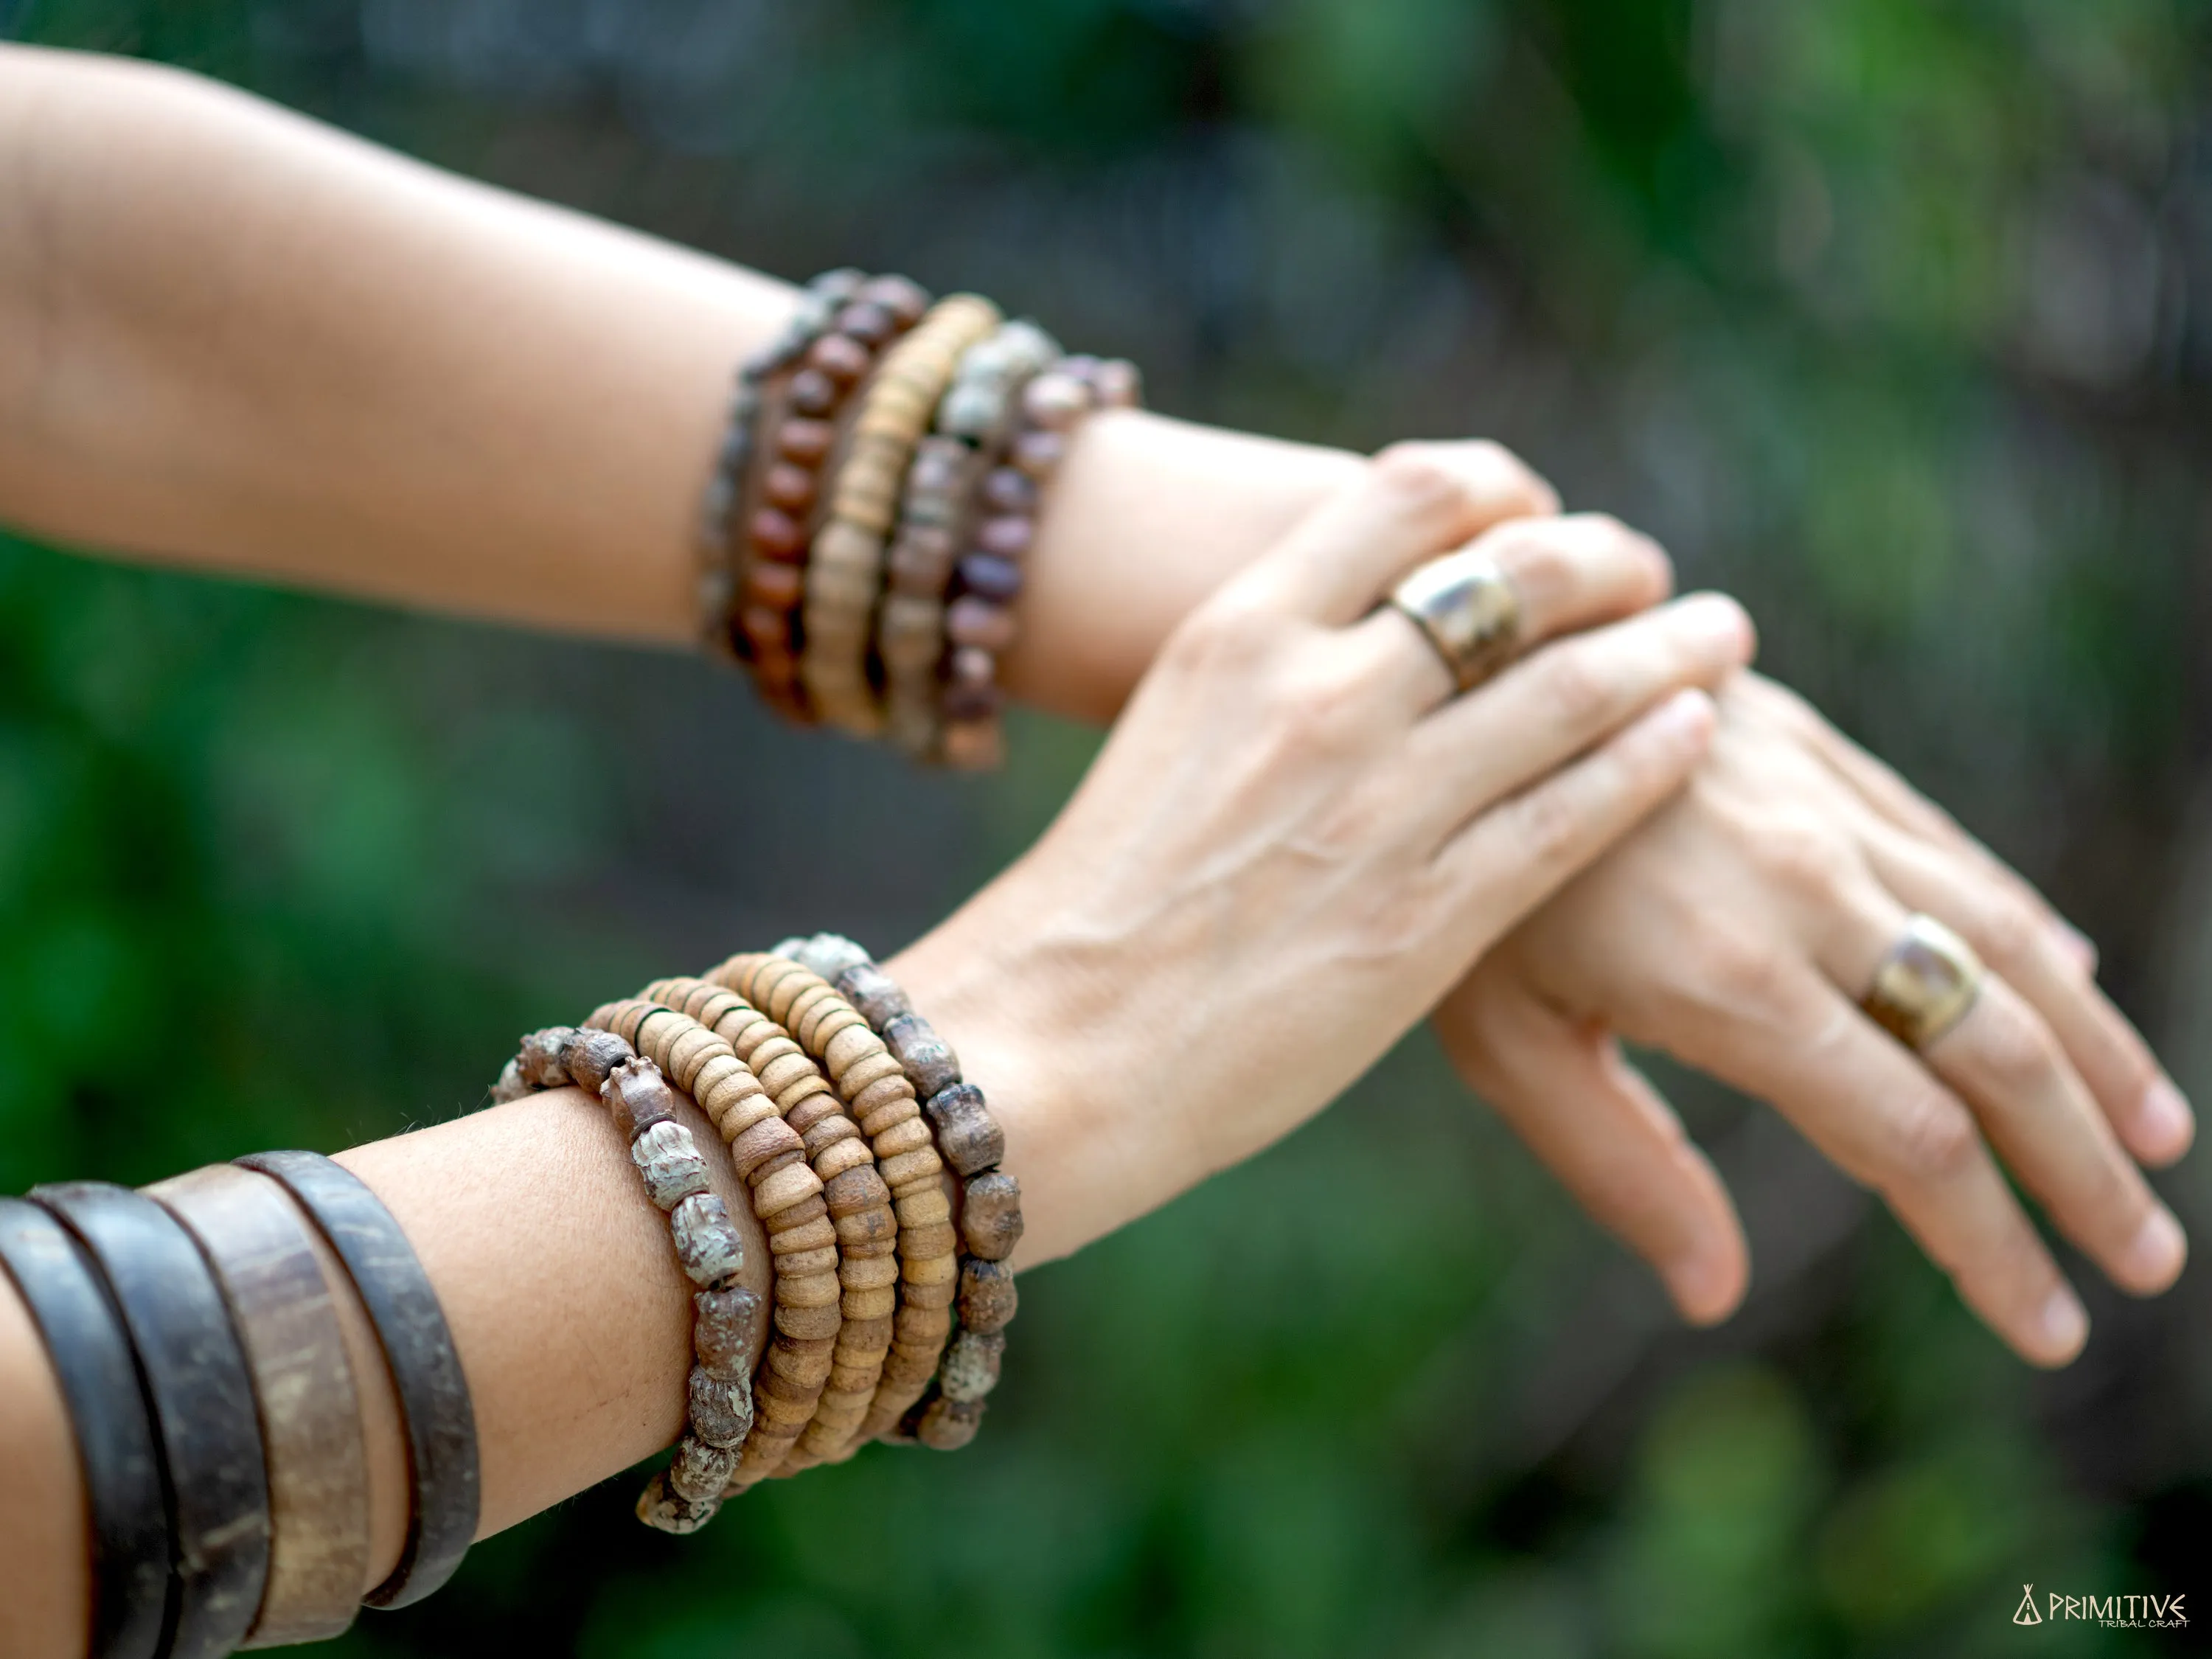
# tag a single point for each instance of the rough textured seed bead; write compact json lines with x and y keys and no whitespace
{"x":815,"y":1235}
{"x":664,"y":1510}
{"x":705,"y":1244}
{"x":909,"y":1166}
{"x":807,"y":1290}
{"x":949,"y":1425}
{"x":927,"y":1208}
{"x":669,"y":1159}
{"x":937,"y":1238}
{"x":991,"y":1216}
{"x":970,"y":1370}
{"x":639,"y":1097}
{"x":933,"y":1270}
{"x":800,"y":1215}
{"x":870,"y":1304}
{"x":907,"y":1137}
{"x":873,"y":993}
{"x":721,"y":1412}
{"x":868,"y":1273}
{"x":866,"y":1230}
{"x":927,"y":1059}
{"x":699,"y":1472}
{"x":770,"y":1138}
{"x":863,"y":1074}
{"x":807,"y":1323}
{"x":725,"y":1332}
{"x":835,"y":1147}
{"x":988,"y":1297}
{"x":967,"y":1137}
{"x":799,"y":1263}
{"x":785,"y":1188}
{"x":894,"y":1109}
{"x":593,"y":1057}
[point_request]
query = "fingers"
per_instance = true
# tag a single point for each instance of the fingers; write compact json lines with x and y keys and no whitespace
{"x":1517,"y":855}
{"x":1561,"y":700}
{"x":1569,"y":574}
{"x":2013,"y":937}
{"x":2002,"y":1058}
{"x":1606,"y":1133}
{"x":1869,"y":1104}
{"x":1415,"y":501}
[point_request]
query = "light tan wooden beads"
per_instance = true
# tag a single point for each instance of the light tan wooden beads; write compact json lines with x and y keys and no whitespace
{"x":877,"y":1095}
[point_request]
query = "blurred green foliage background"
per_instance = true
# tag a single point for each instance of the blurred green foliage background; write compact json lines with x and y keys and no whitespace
{"x":1894,"y":316}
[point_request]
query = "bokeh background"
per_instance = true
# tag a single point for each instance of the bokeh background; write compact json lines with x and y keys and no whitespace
{"x":1894,"y":316}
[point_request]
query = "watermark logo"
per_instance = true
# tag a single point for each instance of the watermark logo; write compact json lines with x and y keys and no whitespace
{"x":2113,"y":1612}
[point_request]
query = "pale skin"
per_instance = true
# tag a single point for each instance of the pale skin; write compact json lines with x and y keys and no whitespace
{"x":348,"y":372}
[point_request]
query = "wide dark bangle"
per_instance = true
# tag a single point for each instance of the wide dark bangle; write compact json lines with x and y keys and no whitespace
{"x":115,"y":1425}
{"x":216,"y":1481}
{"x":434,"y":1409}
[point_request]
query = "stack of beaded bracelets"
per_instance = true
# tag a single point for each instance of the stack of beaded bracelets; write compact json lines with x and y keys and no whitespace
{"x":857,"y":1143}
{"x":874,"y":498}
{"x":196,"y":1332}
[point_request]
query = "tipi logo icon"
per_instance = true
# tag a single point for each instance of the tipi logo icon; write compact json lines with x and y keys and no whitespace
{"x":2027,"y":1614}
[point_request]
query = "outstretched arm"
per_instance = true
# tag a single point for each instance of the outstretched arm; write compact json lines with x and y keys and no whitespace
{"x":236,"y":339}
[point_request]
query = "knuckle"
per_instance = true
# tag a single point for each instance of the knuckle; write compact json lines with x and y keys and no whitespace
{"x":1932,"y":1142}
{"x":2008,"y":928}
{"x":1579,"y":688}
{"x":1548,"y":826}
{"x":1799,"y":853}
{"x":1418,"y":482}
{"x":1232,"y":635}
{"x":2010,"y":1047}
{"x":1735,"y":975}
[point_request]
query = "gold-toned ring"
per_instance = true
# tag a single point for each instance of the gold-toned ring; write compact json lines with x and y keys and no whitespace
{"x":1925,"y":985}
{"x":1468,"y":609}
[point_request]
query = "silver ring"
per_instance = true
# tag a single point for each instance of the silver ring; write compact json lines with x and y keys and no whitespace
{"x":1467,"y":608}
{"x":1925,"y":985}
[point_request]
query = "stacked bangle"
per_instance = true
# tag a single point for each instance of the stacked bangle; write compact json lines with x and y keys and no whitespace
{"x":258,"y":1248}
{"x":786,"y":471}
{"x":116,"y":1443}
{"x":216,"y":1482}
{"x":719,"y":1402}
{"x":948,"y":1414}
{"x":844,"y":571}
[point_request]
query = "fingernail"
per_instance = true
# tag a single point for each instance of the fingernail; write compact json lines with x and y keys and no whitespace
{"x":1684,"y":720}
{"x":2078,"y":945}
{"x":2153,"y":1257}
{"x":2164,"y":1123}
{"x":2065,"y":1325}
{"x":1717,"y":621}
{"x":1704,"y":1286}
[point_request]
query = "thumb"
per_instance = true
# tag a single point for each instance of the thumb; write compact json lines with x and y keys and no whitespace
{"x":1610,"y":1137}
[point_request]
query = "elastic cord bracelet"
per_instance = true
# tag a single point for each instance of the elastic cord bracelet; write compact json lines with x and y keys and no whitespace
{"x":718,"y":1395}
{"x":972,"y":1143}
{"x":114,"y":1425}
{"x":436,"y":1417}
{"x":257,"y":1243}
{"x":782,"y":1159}
{"x":215,"y":1481}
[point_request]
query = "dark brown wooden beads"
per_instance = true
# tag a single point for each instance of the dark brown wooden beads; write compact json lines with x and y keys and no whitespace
{"x":636,"y":1091}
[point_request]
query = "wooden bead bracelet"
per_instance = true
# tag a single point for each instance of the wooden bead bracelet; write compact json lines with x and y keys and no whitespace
{"x":718,"y":1397}
{"x":946,"y":1410}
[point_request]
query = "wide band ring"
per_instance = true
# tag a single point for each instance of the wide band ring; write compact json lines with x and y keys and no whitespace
{"x":1925,"y":985}
{"x":1468,"y":609}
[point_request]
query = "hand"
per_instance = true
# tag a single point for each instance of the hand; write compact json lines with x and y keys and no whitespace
{"x":1736,"y":930}
{"x":1296,"y":839}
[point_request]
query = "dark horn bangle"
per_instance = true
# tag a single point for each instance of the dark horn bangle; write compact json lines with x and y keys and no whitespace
{"x":439,"y":1419}
{"x":216,"y":1481}
{"x":114,"y":1426}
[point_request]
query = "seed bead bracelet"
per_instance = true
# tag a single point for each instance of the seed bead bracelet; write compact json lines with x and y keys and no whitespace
{"x":803,"y":1237}
{"x":857,"y":1223}
{"x":803,"y":419}
{"x":980,"y":624}
{"x":721,"y":572}
{"x":719,"y":1402}
{"x":844,"y":572}
{"x":969,"y":432}
{"x":972,"y":1144}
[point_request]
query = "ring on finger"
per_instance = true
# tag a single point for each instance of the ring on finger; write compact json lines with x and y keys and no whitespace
{"x":1925,"y":984}
{"x":1467,"y":607}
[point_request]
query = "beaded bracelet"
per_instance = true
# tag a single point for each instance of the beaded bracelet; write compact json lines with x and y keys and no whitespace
{"x":803,"y":435}
{"x":257,"y":1243}
{"x":972,"y":1144}
{"x":721,"y":563}
{"x":113,"y":1421}
{"x":969,"y":432}
{"x":718,"y":1396}
{"x":844,"y":572}
{"x":215,"y":1482}
{"x":980,"y":624}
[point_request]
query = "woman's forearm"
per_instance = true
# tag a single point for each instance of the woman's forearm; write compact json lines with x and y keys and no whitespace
{"x":235,"y":339}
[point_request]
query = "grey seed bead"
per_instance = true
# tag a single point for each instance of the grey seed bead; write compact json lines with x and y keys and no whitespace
{"x":931,"y":1065}
{"x":540,"y":1057}
{"x":668,"y":1158}
{"x":970,"y":411}
{"x":967,"y":1137}
{"x":638,"y":1096}
{"x":948,"y":1424}
{"x":991,"y":1216}
{"x":722,"y":1412}
{"x":705,"y":1244}
{"x":591,"y":1055}
{"x":833,"y":953}
{"x":510,"y":1084}
{"x":723,"y":1337}
{"x":1027,"y":347}
{"x":874,"y":994}
{"x":699,"y":1471}
{"x":790,"y":947}
{"x":988,"y":1297}
{"x":660,"y":1507}
{"x":970,"y":1368}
